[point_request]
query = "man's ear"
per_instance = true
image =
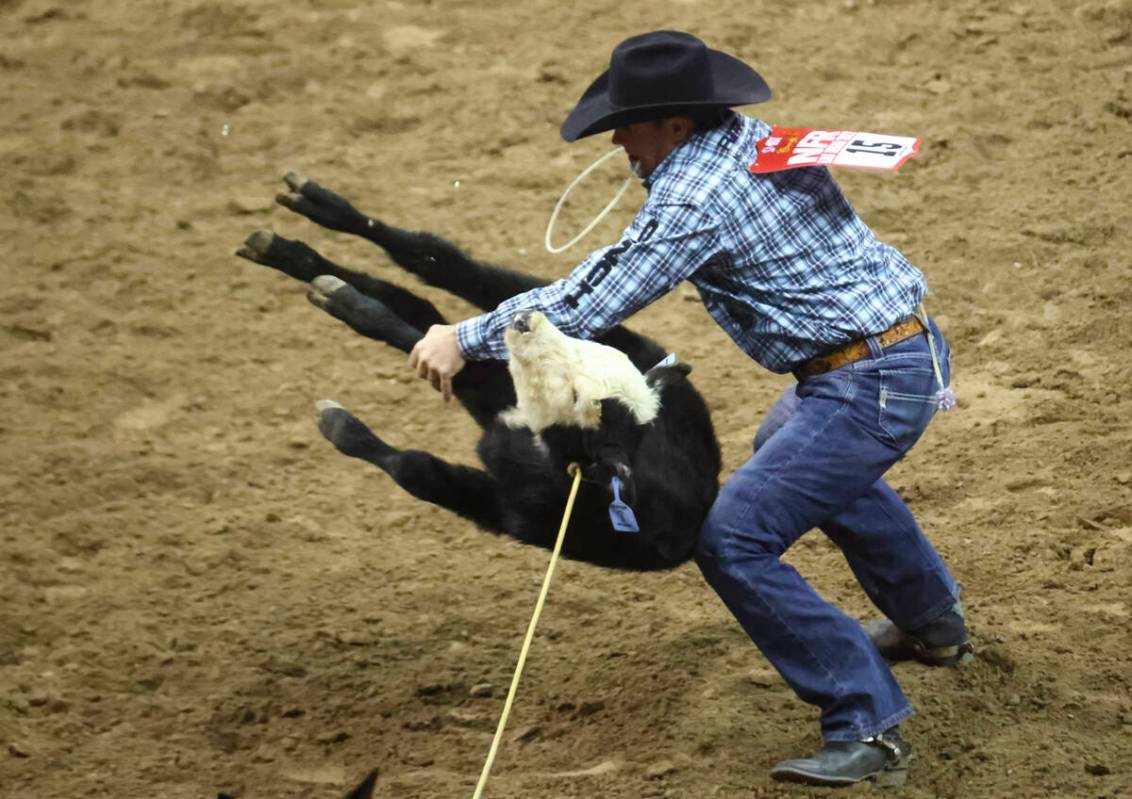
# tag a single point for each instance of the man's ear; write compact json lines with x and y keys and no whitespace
{"x":681,"y":127}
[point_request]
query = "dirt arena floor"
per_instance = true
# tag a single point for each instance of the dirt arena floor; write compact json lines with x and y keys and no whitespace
{"x":197,"y":594}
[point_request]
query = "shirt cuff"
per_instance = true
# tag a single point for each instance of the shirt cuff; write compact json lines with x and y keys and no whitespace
{"x":473,"y":337}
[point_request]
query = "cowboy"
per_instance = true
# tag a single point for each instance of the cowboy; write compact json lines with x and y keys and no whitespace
{"x":785,"y":266}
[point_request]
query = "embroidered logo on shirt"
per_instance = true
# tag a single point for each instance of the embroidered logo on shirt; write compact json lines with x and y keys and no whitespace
{"x":603,"y":267}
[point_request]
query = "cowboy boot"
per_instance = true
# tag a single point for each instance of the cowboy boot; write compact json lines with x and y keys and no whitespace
{"x":941,"y":642}
{"x":882,"y":758}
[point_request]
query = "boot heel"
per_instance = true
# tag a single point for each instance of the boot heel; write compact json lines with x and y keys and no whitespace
{"x":895,"y":775}
{"x":892,"y":778}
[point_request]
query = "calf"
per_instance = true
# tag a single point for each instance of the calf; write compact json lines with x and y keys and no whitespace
{"x":642,"y":429}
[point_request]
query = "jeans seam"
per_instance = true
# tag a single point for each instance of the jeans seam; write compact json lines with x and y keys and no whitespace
{"x":910,"y":397}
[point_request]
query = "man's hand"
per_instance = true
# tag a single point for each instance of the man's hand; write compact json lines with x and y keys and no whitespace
{"x":437,"y":358}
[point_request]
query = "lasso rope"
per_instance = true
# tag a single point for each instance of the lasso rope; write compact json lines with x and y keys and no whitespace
{"x":554,"y":216}
{"x":576,"y":471}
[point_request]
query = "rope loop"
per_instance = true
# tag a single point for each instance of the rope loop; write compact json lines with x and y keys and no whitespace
{"x":604,"y":211}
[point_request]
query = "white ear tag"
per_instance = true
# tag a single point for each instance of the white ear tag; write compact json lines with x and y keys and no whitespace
{"x":667,"y":360}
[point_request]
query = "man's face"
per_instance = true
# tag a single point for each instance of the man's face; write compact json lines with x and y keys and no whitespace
{"x":649,"y":143}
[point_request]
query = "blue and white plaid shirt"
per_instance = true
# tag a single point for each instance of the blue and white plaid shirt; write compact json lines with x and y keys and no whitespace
{"x":781,"y":261}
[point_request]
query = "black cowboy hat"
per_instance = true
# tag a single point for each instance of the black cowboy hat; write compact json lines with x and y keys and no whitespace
{"x":659,"y":74}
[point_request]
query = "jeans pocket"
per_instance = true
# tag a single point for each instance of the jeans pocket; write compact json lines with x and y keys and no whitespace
{"x":907,"y":403}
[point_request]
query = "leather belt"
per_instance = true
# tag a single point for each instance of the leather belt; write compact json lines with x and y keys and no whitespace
{"x":856,"y":350}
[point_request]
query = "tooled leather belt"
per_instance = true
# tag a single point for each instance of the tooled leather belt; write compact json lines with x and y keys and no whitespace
{"x":856,"y":350}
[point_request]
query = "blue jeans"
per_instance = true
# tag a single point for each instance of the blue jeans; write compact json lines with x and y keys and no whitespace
{"x":818,"y":462}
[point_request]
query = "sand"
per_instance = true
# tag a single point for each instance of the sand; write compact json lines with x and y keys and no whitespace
{"x":198,"y":594}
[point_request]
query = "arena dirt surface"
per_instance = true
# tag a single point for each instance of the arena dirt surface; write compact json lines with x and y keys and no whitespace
{"x":198,"y":594}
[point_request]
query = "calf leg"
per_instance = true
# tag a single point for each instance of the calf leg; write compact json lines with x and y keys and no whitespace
{"x":440,"y":263}
{"x":471,"y":493}
{"x":304,"y":263}
{"x":483,"y":387}
{"x":431,"y":258}
{"x":367,"y":315}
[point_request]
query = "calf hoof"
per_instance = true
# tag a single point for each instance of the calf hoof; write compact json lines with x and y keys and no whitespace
{"x":293,"y":199}
{"x":366,"y":315}
{"x":348,"y":435}
{"x":321,"y":206}
{"x":292,"y":258}
{"x":322,"y":290}
{"x":256,"y":247}
{"x":294,"y":181}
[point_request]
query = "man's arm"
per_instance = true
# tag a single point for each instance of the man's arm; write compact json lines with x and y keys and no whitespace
{"x":660,"y":249}
{"x":657,"y":252}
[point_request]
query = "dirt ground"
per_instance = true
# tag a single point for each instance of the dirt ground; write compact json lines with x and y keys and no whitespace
{"x":197,"y":594}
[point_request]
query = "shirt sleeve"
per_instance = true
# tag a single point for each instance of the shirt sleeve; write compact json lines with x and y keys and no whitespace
{"x":664,"y":245}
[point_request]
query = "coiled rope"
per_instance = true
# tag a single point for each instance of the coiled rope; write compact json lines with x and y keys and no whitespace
{"x":561,"y":200}
{"x":575,"y":470}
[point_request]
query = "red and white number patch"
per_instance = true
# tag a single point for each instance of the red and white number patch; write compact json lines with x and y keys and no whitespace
{"x":789,"y":148}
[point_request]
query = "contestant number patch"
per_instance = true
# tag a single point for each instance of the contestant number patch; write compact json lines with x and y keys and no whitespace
{"x":789,"y":148}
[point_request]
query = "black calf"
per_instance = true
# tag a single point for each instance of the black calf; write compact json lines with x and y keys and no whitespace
{"x":670,"y":466}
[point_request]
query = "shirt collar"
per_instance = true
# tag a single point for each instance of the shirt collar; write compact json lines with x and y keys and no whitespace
{"x":724,"y":134}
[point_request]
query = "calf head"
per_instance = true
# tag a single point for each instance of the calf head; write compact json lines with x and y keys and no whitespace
{"x":603,"y":452}
{"x":587,"y":401}
{"x":561,"y":380}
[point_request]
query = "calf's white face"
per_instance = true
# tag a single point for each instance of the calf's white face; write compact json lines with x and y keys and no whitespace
{"x":562,"y":380}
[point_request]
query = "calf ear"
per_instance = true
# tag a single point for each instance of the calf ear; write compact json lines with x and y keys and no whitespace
{"x":619,"y":428}
{"x":658,"y":374}
{"x":615,"y":415}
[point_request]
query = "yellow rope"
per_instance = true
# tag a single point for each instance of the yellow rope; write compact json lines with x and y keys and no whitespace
{"x":576,"y":471}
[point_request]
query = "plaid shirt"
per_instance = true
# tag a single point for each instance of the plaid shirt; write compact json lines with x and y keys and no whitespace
{"x":781,"y":261}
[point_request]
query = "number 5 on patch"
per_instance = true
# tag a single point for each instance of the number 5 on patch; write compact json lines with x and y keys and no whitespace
{"x":789,"y":148}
